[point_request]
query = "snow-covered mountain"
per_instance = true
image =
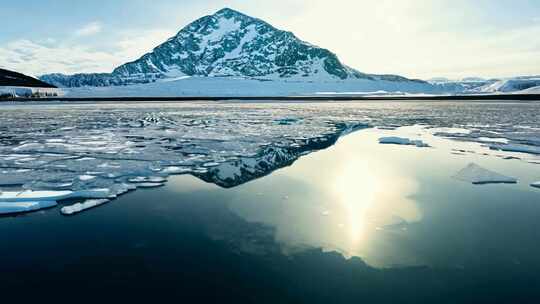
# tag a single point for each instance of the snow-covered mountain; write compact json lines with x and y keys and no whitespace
{"x":524,"y":84}
{"x":15,"y":79}
{"x":231,"y":44}
{"x":477,"y":85}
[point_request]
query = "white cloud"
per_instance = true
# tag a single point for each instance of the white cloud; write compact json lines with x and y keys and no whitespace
{"x":42,"y":57}
{"x":417,"y":38}
{"x":89,"y":29}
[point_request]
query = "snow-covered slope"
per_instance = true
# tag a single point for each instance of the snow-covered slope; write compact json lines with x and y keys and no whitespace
{"x":518,"y":84}
{"x":231,"y":44}
{"x":232,"y":86}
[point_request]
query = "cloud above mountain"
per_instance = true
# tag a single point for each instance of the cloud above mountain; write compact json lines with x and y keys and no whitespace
{"x":89,"y":29}
{"x":415,"y":38}
{"x":48,"y":55}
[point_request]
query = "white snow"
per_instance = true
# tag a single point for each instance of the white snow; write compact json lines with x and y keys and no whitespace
{"x":18,"y":207}
{"x":516,"y":148}
{"x":147,"y":179}
{"x":78,"y":207}
{"x":33,"y":196}
{"x":402,"y":141}
{"x":477,"y":175}
{"x":149,"y":185}
{"x":521,"y":85}
{"x":232,"y":86}
{"x":533,"y":90}
{"x":176,"y":170}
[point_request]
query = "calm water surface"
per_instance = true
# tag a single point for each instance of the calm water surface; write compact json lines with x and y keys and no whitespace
{"x":356,"y":222}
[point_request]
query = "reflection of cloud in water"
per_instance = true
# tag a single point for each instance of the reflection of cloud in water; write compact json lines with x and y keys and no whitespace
{"x":371,"y":194}
{"x":335,"y":199}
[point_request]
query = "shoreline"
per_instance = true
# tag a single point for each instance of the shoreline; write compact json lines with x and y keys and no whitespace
{"x":491,"y":97}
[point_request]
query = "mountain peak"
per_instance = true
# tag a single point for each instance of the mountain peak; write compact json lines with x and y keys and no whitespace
{"x":232,"y":44}
{"x":227,"y":12}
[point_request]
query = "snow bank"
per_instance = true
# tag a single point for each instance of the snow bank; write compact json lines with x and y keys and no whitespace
{"x":230,"y":86}
{"x":477,"y":175}
{"x":402,"y":141}
{"x":149,"y":185}
{"x":516,"y":148}
{"x":18,"y":207}
{"x":147,"y":179}
{"x":76,"y":208}
{"x":34,"y":196}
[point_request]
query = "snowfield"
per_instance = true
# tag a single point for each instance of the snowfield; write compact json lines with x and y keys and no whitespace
{"x":228,"y":86}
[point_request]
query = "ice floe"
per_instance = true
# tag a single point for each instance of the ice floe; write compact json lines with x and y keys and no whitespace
{"x":478,"y":175}
{"x":78,"y":207}
{"x":34,"y":196}
{"x":402,"y":141}
{"x":149,"y":185}
{"x":147,"y":179}
{"x":26,"y":206}
{"x":516,"y":148}
{"x":536,"y":184}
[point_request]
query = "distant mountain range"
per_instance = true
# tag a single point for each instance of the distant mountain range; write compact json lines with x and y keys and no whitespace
{"x":522,"y":84}
{"x":14,"y":79}
{"x":228,"y":44}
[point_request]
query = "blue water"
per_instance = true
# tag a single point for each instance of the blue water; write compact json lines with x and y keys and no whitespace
{"x":357,"y":222}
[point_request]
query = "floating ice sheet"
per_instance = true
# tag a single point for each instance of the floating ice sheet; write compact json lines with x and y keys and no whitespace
{"x":78,"y":207}
{"x":402,"y":141}
{"x":536,"y":184}
{"x":149,"y":185}
{"x":34,"y":196}
{"x":19,"y":207}
{"x":516,"y":148}
{"x":477,"y":175}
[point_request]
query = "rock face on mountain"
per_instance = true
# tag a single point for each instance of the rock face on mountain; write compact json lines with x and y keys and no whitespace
{"x":14,"y":79}
{"x":228,"y":43}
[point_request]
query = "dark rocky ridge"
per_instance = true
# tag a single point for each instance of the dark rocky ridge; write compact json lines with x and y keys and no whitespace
{"x":14,"y":79}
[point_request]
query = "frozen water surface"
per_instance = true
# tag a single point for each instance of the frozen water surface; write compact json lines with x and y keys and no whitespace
{"x":102,"y":150}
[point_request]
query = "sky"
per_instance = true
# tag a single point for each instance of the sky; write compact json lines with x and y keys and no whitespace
{"x":412,"y":38}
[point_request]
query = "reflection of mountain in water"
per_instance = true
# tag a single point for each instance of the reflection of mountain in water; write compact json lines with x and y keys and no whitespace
{"x":245,"y":169}
{"x":197,"y":250}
